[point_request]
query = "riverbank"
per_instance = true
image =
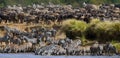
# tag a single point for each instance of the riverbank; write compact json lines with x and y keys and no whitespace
{"x":49,"y":41}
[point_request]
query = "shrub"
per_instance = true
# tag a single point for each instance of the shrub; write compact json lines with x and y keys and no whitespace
{"x":94,"y":22}
{"x":103,"y":30}
{"x":95,"y":30}
{"x":116,"y":30}
{"x":74,"y":28}
{"x":117,"y":45}
{"x":90,"y":31}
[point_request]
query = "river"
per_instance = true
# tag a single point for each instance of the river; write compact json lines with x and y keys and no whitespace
{"x":31,"y":55}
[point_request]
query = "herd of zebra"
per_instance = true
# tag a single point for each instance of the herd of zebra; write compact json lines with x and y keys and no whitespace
{"x":40,"y":12}
{"x":74,"y":48}
{"x":43,"y":42}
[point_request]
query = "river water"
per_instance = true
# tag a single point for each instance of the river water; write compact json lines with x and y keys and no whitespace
{"x":31,"y":55}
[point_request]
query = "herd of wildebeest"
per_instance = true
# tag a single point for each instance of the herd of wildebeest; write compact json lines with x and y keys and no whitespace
{"x":42,"y":41}
{"x":35,"y":13}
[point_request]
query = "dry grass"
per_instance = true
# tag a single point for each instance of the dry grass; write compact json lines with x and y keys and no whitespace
{"x":60,"y":35}
{"x":23,"y":26}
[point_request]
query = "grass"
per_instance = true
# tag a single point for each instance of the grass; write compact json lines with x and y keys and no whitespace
{"x":117,"y":45}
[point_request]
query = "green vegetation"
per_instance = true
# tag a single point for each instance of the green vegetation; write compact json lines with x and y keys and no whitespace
{"x":95,"y":30}
{"x":90,"y":32}
{"x":74,"y":28}
{"x":105,"y":31}
{"x":117,"y":45}
{"x":72,"y":2}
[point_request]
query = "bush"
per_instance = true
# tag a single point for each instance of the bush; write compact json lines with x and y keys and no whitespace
{"x":95,"y":30}
{"x":116,"y":30}
{"x":117,"y":45}
{"x":90,"y":32}
{"x":103,"y":30}
{"x":74,"y":28}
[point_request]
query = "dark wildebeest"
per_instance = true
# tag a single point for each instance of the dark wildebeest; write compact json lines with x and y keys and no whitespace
{"x":4,"y":17}
{"x":13,"y":17}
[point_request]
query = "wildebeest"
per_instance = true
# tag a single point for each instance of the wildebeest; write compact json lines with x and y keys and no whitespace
{"x":90,"y":6}
{"x":37,"y":13}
